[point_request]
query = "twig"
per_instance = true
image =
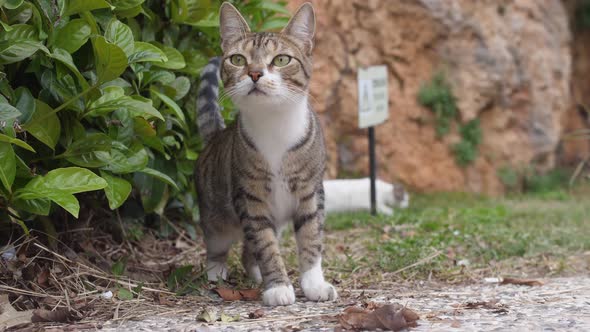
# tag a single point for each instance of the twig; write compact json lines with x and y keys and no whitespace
{"x":418,"y":263}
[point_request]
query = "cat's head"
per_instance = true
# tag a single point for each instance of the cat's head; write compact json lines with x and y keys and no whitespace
{"x":266,"y":68}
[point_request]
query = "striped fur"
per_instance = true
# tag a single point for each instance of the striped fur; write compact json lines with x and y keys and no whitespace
{"x":209,"y":119}
{"x":265,"y":171}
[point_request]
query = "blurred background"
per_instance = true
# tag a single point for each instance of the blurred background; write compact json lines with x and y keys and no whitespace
{"x":485,"y":96}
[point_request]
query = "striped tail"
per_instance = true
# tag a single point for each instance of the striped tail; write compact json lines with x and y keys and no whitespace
{"x":209,"y":119}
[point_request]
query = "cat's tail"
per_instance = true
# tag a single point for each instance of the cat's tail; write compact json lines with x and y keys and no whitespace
{"x":209,"y":119}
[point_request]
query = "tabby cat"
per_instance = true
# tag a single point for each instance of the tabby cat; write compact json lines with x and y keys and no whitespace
{"x":266,"y":169}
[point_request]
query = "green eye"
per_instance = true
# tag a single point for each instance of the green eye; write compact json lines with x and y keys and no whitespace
{"x":237,"y":60}
{"x":281,"y":60}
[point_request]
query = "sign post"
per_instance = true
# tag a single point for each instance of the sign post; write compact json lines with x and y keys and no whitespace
{"x":373,"y":101}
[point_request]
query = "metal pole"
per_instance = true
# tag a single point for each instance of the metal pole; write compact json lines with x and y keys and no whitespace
{"x":372,"y":170}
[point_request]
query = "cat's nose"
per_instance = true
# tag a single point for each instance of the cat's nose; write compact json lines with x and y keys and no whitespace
{"x":255,"y":75}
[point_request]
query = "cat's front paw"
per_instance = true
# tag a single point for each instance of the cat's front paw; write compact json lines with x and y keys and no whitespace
{"x":279,"y":295}
{"x":320,"y":291}
{"x":216,"y":271}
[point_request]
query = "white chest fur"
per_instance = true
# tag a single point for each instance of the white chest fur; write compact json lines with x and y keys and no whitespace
{"x":273,"y":131}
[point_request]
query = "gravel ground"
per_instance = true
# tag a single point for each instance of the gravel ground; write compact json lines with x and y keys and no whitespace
{"x":561,"y":304}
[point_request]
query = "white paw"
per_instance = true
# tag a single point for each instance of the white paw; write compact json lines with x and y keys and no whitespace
{"x":216,"y":270}
{"x":254,"y":273}
{"x":279,"y":295}
{"x":322,"y":291}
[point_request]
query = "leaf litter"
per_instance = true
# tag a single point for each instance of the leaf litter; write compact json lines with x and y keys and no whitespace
{"x":228,"y":294}
{"x":374,"y":316}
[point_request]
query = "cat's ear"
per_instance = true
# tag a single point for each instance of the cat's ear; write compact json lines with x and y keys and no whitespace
{"x":231,"y":24}
{"x":302,"y":26}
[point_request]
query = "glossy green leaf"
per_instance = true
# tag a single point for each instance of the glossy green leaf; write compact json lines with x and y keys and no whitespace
{"x":109,"y":103}
{"x":120,"y":34}
{"x":162,"y":76}
{"x":66,"y":59}
{"x":21,"y":14}
{"x":173,"y":106}
{"x":15,"y":141}
{"x":73,"y":35}
{"x":25,"y":103}
{"x":117,"y":190}
{"x":71,"y":180}
{"x":77,"y":6}
{"x":160,"y":176}
{"x":40,"y":206}
{"x":7,"y":165}
{"x":145,"y":52}
{"x":181,"y":86}
{"x":126,"y":4}
{"x":111,"y":60}
{"x":19,"y":43}
{"x":44,"y":125}
{"x":91,"y":143}
{"x":15,"y":51}
{"x":8,"y":112}
{"x":175,"y":59}
{"x":127,"y":161}
{"x":20,"y":32}
{"x":13,"y":4}
{"x":67,"y":201}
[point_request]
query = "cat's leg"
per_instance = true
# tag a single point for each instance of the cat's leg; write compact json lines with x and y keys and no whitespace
{"x":218,"y":245}
{"x":219,"y":235}
{"x":260,"y":236}
{"x":250,"y":264}
{"x":249,"y":260}
{"x":308,"y":223}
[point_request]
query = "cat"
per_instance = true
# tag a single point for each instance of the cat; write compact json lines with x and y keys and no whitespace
{"x":348,"y":195}
{"x":265,"y":170}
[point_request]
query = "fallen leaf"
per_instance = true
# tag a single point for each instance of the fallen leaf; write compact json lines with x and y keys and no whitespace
{"x":60,"y":315}
{"x":9,"y":317}
{"x":258,"y":313}
{"x":207,"y":315}
{"x":124,"y":294}
{"x":525,"y":282}
{"x":393,"y":317}
{"x":238,"y":295}
{"x":455,"y":324}
{"x":42,"y":278}
{"x":228,"y":319}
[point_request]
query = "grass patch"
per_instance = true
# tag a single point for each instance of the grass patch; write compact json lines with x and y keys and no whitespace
{"x":475,"y":229}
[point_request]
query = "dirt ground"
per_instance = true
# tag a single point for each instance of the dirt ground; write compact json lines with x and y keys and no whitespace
{"x":560,"y":304}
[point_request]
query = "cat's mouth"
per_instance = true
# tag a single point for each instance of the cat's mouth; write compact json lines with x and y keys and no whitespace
{"x":256,"y":91}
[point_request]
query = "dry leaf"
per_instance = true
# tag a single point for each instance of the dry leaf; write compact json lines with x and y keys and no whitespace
{"x":207,"y":315}
{"x":61,"y":315}
{"x":228,"y":319}
{"x":393,"y":317}
{"x":238,"y":295}
{"x":9,"y":317}
{"x":525,"y":282}
{"x":42,"y":278}
{"x":258,"y":313}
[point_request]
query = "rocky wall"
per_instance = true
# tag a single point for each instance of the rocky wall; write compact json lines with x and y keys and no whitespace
{"x":509,"y":63}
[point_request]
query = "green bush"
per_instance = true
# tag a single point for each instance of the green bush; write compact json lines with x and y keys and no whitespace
{"x":438,"y":97}
{"x":466,"y":150}
{"x":582,"y":14}
{"x":99,"y":95}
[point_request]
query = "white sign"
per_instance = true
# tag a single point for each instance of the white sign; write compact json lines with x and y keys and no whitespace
{"x":373,"y":96}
